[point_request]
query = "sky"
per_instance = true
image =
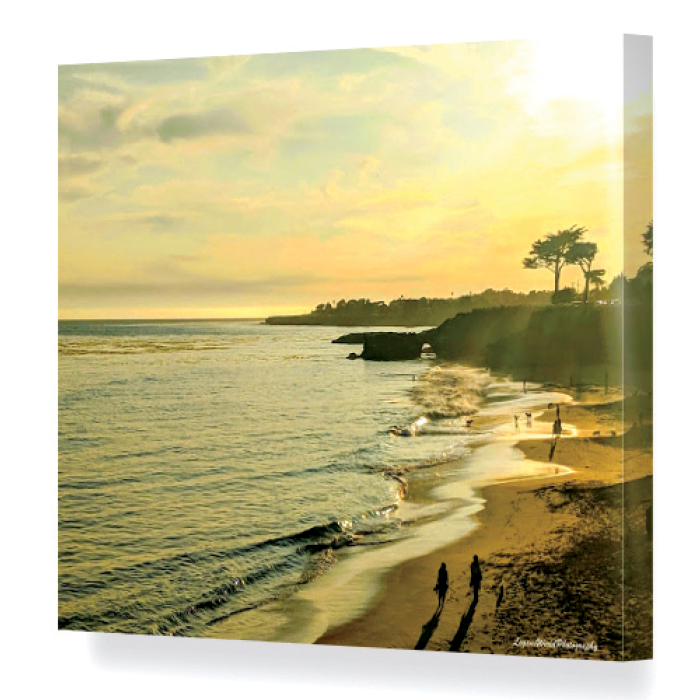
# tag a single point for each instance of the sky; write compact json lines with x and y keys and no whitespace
{"x":251,"y":185}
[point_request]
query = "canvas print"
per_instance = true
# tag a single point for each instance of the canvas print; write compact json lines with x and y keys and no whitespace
{"x":355,"y":348}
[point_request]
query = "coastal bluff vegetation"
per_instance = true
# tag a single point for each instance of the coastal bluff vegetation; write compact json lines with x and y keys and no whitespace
{"x":564,"y":336}
{"x":408,"y":312}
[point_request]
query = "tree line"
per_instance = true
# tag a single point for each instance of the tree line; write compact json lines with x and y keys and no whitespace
{"x":423,"y":311}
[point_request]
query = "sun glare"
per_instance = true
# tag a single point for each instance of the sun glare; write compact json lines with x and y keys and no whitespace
{"x":560,"y":71}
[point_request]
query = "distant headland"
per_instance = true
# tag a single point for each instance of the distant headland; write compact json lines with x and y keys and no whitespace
{"x":408,"y":312}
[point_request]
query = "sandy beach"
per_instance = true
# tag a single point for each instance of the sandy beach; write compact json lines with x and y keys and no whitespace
{"x":557,"y":545}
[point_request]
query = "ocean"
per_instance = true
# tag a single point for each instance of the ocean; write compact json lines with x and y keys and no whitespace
{"x":212,"y":469}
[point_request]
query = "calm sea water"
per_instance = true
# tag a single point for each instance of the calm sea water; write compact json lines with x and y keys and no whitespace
{"x":208,"y":468}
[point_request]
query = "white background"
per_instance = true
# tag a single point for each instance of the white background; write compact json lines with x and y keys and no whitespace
{"x":38,"y":661}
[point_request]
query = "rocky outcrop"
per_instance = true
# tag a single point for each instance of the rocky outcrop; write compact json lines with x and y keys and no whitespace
{"x":392,"y":346}
{"x":351,"y":339}
{"x":378,"y":345}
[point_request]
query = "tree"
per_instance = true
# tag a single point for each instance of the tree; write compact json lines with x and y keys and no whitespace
{"x":617,"y":288}
{"x":648,"y":239}
{"x":582,"y":253}
{"x":595,"y":277}
{"x":551,"y":253}
{"x":568,"y":295}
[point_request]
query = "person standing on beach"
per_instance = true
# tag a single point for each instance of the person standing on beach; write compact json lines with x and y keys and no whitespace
{"x":515,"y":419}
{"x":443,"y":583}
{"x":556,"y":426}
{"x":475,"y":582}
{"x":499,"y":600}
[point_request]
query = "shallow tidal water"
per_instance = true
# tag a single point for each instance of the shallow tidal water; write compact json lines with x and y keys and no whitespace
{"x":221,"y":477}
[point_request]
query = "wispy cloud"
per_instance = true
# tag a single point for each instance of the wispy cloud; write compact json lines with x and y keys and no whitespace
{"x":329,"y":170}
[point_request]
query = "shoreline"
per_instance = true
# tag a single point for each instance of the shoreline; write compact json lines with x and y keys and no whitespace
{"x":542,"y":538}
{"x":438,"y":509}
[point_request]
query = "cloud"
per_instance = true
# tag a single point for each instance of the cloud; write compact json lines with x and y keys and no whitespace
{"x":74,"y":194}
{"x":192,"y":126}
{"x":203,"y":286}
{"x":91,"y":126}
{"x":327,"y":64}
{"x":71,"y":164}
{"x":327,"y":172}
{"x":151,"y":222}
{"x":135,"y":73}
{"x":157,"y":222}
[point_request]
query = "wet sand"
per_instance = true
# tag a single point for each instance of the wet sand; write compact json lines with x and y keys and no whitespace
{"x":556,"y":545}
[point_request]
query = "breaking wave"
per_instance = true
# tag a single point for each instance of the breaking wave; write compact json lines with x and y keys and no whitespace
{"x":450,"y":392}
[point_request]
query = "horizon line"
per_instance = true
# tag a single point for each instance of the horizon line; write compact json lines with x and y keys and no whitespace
{"x":182,"y":318}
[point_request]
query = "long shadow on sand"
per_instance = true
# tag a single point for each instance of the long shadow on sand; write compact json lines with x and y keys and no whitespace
{"x":466,"y":620}
{"x":428,"y":628}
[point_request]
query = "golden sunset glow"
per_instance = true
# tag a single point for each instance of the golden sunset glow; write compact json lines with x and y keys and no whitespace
{"x":244,"y":186}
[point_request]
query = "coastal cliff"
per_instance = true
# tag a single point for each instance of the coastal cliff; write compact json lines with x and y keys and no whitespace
{"x":567,"y":344}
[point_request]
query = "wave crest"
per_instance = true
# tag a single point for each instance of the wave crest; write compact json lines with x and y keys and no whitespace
{"x":451,"y":392}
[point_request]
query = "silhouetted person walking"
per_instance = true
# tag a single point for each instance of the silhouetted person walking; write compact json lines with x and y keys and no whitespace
{"x":443,"y":583}
{"x":475,"y":582}
{"x":528,"y":418}
{"x":515,"y":420}
{"x":556,"y":428}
